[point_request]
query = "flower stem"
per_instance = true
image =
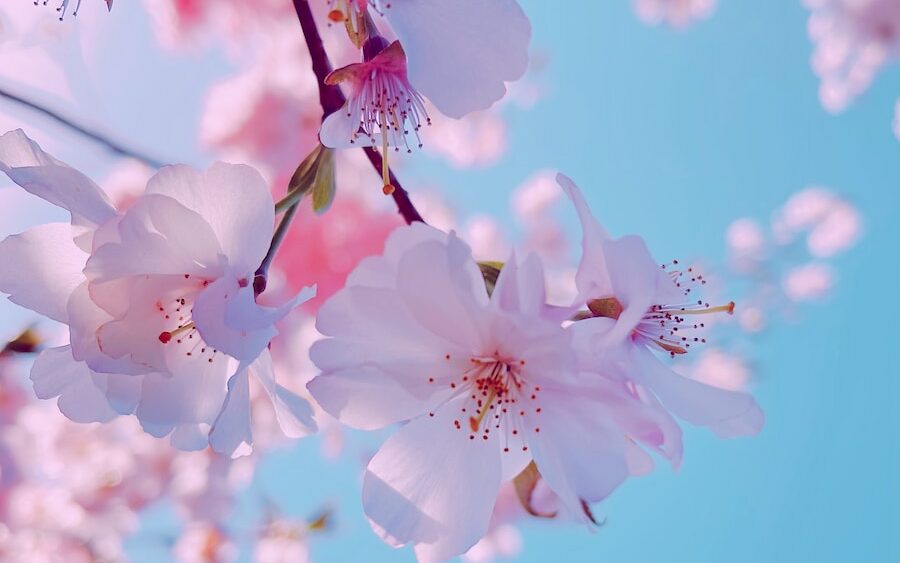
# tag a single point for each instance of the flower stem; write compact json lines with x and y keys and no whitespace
{"x":332,"y":99}
{"x":109,"y":144}
{"x":260,"y":278}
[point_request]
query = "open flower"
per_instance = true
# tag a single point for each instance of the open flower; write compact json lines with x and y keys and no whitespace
{"x":159,"y":300}
{"x":461,"y":52}
{"x":488,"y":383}
{"x":636,"y":307}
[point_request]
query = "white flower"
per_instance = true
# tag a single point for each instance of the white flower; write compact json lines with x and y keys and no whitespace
{"x":159,"y":300}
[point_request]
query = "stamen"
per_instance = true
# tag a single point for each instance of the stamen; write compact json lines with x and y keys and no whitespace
{"x":166,"y":336}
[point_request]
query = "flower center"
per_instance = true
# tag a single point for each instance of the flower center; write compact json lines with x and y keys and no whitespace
{"x":184,"y":333}
{"x":671,"y":327}
{"x":496,"y":397}
{"x":63,"y":6}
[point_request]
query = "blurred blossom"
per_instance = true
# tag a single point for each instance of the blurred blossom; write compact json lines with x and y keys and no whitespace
{"x":282,"y":541}
{"x":503,"y":540}
{"x":809,"y":282}
{"x":675,"y":13}
{"x":746,"y":239}
{"x":476,"y":140}
{"x":832,"y":224}
{"x":269,"y":114}
{"x":719,"y":368}
{"x":853,"y":40}
{"x":897,"y":120}
{"x":752,"y":319}
{"x":204,"y":543}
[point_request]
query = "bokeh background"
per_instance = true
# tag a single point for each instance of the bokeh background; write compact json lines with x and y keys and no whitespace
{"x":673,"y":134}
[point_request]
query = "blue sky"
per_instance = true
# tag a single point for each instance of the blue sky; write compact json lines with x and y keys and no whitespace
{"x":672,"y":135}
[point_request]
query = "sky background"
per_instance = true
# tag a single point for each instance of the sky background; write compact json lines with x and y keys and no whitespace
{"x":672,"y":135}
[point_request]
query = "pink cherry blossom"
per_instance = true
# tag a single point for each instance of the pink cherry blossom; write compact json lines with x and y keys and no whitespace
{"x":808,"y":282}
{"x":487,"y":383}
{"x":158,"y":300}
{"x":325,"y":249}
{"x":268,"y":114}
{"x":831,"y":223}
{"x":282,"y":541}
{"x":853,"y":40}
{"x":461,"y":52}
{"x":675,"y":13}
{"x":638,"y":308}
{"x":383,"y":109}
{"x":721,"y":369}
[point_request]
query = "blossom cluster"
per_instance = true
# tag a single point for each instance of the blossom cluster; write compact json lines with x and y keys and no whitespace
{"x":215,"y":308}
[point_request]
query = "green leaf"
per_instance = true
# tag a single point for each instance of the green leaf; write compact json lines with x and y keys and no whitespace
{"x":323,"y":188}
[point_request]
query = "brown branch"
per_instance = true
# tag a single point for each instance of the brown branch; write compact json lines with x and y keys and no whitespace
{"x":332,"y":100}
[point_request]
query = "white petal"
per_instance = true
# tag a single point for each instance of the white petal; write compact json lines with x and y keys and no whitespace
{"x":634,"y":277}
{"x":337,"y":131}
{"x":55,"y":373}
{"x":191,"y":398}
{"x":432,"y":486}
{"x":235,"y":201}
{"x":576,"y":468}
{"x":41,"y":268}
{"x":727,"y":413}
{"x":229,"y":319}
{"x":158,"y":235}
{"x":367,"y":398}
{"x":28,"y":165}
{"x":461,"y":53}
{"x":592,"y":278}
{"x":231,"y":433}
{"x":443,"y":289}
{"x":380,"y":271}
{"x":294,"y":413}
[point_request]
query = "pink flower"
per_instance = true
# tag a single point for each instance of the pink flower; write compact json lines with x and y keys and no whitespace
{"x":832,"y":224}
{"x":808,"y":282}
{"x":853,"y":40}
{"x":721,"y":369}
{"x":159,"y":300}
{"x":676,"y":13}
{"x":461,"y":52}
{"x":638,"y":308}
{"x":382,"y":107}
{"x":487,"y":383}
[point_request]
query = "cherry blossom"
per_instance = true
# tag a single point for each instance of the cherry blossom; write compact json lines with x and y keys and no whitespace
{"x":461,"y":52}
{"x":635,"y":308}
{"x":487,"y":383}
{"x":159,"y":300}
{"x":853,"y":40}
{"x":676,"y":13}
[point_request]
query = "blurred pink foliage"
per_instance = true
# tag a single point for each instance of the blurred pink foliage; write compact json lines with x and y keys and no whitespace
{"x":854,"y":40}
{"x":674,"y":13}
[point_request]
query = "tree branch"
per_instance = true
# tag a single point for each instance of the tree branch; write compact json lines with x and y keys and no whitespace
{"x":332,"y":100}
{"x":99,"y":138}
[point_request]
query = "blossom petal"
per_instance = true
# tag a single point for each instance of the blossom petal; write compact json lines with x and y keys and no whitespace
{"x":592,"y":278}
{"x":432,"y":486}
{"x":294,"y":413}
{"x":42,"y":268}
{"x":56,"y":373}
{"x":460,"y":53}
{"x":367,"y":398}
{"x":158,"y":235}
{"x":634,"y":276}
{"x":192,"y":398}
{"x":28,"y":165}
{"x":431,"y":269}
{"x":727,"y":413}
{"x":575,"y":468}
{"x":235,"y":201}
{"x":231,"y":433}
{"x":337,"y":132}
{"x":229,"y":319}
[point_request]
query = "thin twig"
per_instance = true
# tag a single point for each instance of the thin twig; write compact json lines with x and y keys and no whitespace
{"x":99,"y":138}
{"x":332,"y":100}
{"x":260,"y":279}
